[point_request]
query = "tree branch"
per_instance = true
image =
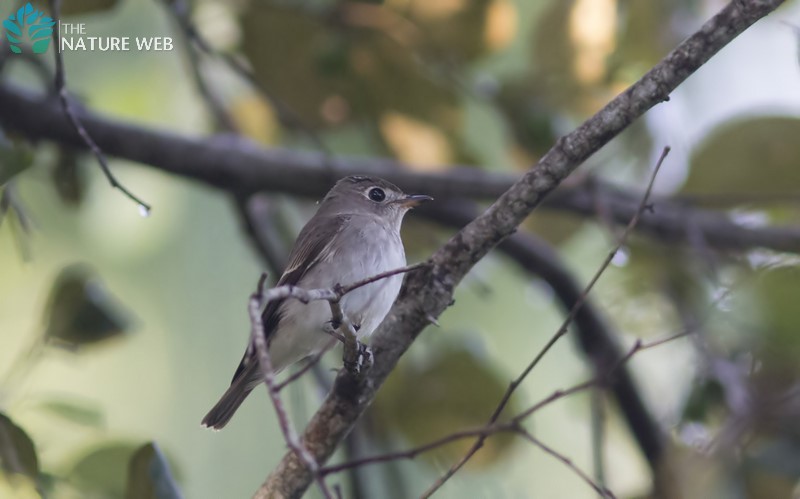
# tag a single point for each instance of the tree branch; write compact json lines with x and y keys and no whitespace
{"x":240,"y":166}
{"x":428,"y":292}
{"x":595,"y":337}
{"x":559,"y":333}
{"x":256,"y":303}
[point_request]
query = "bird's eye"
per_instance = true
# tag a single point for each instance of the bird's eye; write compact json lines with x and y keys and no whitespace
{"x":376,"y":194}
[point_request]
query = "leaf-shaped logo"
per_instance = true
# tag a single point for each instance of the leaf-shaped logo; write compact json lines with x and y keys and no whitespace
{"x":31,"y":25}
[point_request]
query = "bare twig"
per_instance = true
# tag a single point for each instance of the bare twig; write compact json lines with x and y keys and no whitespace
{"x":482,"y":431}
{"x":332,"y":294}
{"x":603,"y":491}
{"x":559,"y":333}
{"x":215,"y":105}
{"x":265,"y":363}
{"x":307,"y":367}
{"x":492,"y":428}
{"x":383,"y":275}
{"x":63,"y":95}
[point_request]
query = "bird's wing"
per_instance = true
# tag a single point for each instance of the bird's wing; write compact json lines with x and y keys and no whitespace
{"x":313,"y":244}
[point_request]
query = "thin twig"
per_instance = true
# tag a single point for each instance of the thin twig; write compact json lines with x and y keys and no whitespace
{"x":215,"y":105}
{"x":331,"y":294}
{"x":603,"y":491}
{"x":559,"y":333}
{"x":489,"y":429}
{"x":265,"y":364}
{"x":307,"y":367}
{"x":383,"y":275}
{"x":63,"y":96}
{"x":483,"y":431}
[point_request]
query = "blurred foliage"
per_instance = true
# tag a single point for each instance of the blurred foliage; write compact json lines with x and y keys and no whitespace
{"x":74,"y":411}
{"x":149,"y":476}
{"x":17,"y":452}
{"x":69,"y":178}
{"x":757,"y":155}
{"x":488,"y":83}
{"x":80,"y":311}
{"x":452,"y":390}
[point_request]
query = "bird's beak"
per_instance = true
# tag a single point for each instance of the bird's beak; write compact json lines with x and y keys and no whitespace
{"x":413,"y":200}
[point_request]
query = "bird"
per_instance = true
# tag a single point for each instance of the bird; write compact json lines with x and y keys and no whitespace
{"x":354,"y":235}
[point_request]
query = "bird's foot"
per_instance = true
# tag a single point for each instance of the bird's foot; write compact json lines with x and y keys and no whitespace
{"x":362,"y":361}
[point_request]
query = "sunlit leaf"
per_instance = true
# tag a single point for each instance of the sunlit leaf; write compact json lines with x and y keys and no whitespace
{"x":586,"y":51}
{"x":254,"y":118}
{"x":453,"y":392}
{"x":17,"y":452}
{"x":149,"y":475}
{"x":81,"y":311}
{"x":417,"y":143}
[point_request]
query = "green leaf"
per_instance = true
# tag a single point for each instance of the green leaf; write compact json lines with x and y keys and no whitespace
{"x":102,"y":470}
{"x":75,"y":411}
{"x":149,"y":476}
{"x":17,"y":452}
{"x":69,"y":178}
{"x":752,"y":156}
{"x":777,"y":294}
{"x":14,"y":158}
{"x":425,"y":402}
{"x":80,"y":310}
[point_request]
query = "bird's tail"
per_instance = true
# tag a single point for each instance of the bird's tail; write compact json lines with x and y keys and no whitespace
{"x":240,"y":388}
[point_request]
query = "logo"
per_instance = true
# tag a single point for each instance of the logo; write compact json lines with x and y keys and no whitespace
{"x":29,"y":24}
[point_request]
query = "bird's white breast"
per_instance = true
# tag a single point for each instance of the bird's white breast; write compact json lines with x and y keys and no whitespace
{"x":364,"y":251}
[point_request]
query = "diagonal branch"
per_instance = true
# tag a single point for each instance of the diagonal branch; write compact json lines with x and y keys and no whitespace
{"x":428,"y":292}
{"x":562,"y":330}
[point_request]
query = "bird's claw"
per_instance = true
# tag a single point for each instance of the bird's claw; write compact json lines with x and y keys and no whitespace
{"x":362,"y":362}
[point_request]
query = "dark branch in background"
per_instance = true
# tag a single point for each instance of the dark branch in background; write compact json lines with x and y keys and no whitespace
{"x":180,"y":11}
{"x":258,"y":216}
{"x":241,"y":166}
{"x":559,"y":333}
{"x":85,"y":137}
{"x":428,"y":292}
